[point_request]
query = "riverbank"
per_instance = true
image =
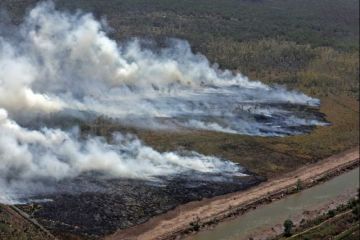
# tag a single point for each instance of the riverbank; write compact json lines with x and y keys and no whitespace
{"x":184,"y":219}
{"x":340,"y":222}
{"x":266,"y":221}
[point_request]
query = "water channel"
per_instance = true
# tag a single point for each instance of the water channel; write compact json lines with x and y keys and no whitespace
{"x":267,"y":215}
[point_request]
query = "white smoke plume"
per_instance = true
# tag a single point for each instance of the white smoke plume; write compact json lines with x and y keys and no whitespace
{"x":56,"y":61}
{"x":60,"y":61}
{"x":29,"y":155}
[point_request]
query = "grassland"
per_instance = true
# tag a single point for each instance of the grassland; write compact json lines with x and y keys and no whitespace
{"x":308,"y":45}
{"x":319,"y":23}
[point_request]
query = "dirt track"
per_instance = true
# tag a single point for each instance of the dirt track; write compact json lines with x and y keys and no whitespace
{"x":177,"y":221}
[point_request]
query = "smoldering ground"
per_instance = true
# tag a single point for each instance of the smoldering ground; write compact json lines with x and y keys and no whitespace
{"x":63,"y":63}
{"x":121,"y":204}
{"x":50,"y":155}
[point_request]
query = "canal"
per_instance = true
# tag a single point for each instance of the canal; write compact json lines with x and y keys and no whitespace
{"x":268,"y":215}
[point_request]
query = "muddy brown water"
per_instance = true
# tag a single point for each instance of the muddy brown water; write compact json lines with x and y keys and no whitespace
{"x":267,"y":216}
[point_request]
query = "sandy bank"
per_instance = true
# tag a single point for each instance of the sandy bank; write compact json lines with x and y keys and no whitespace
{"x":211,"y":211}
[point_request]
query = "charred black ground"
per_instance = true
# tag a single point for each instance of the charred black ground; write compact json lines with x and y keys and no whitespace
{"x":91,"y":207}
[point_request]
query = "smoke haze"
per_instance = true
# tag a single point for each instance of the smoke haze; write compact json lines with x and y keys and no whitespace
{"x":57,"y":62}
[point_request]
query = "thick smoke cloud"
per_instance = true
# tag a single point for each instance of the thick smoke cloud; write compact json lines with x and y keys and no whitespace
{"x":52,"y":154}
{"x":60,"y":61}
{"x":57,"y":62}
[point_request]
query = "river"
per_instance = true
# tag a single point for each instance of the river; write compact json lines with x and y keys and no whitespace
{"x":268,"y":215}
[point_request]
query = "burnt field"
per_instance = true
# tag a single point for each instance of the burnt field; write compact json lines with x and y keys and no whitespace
{"x":260,"y":118}
{"x":91,"y":207}
{"x":80,"y":182}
